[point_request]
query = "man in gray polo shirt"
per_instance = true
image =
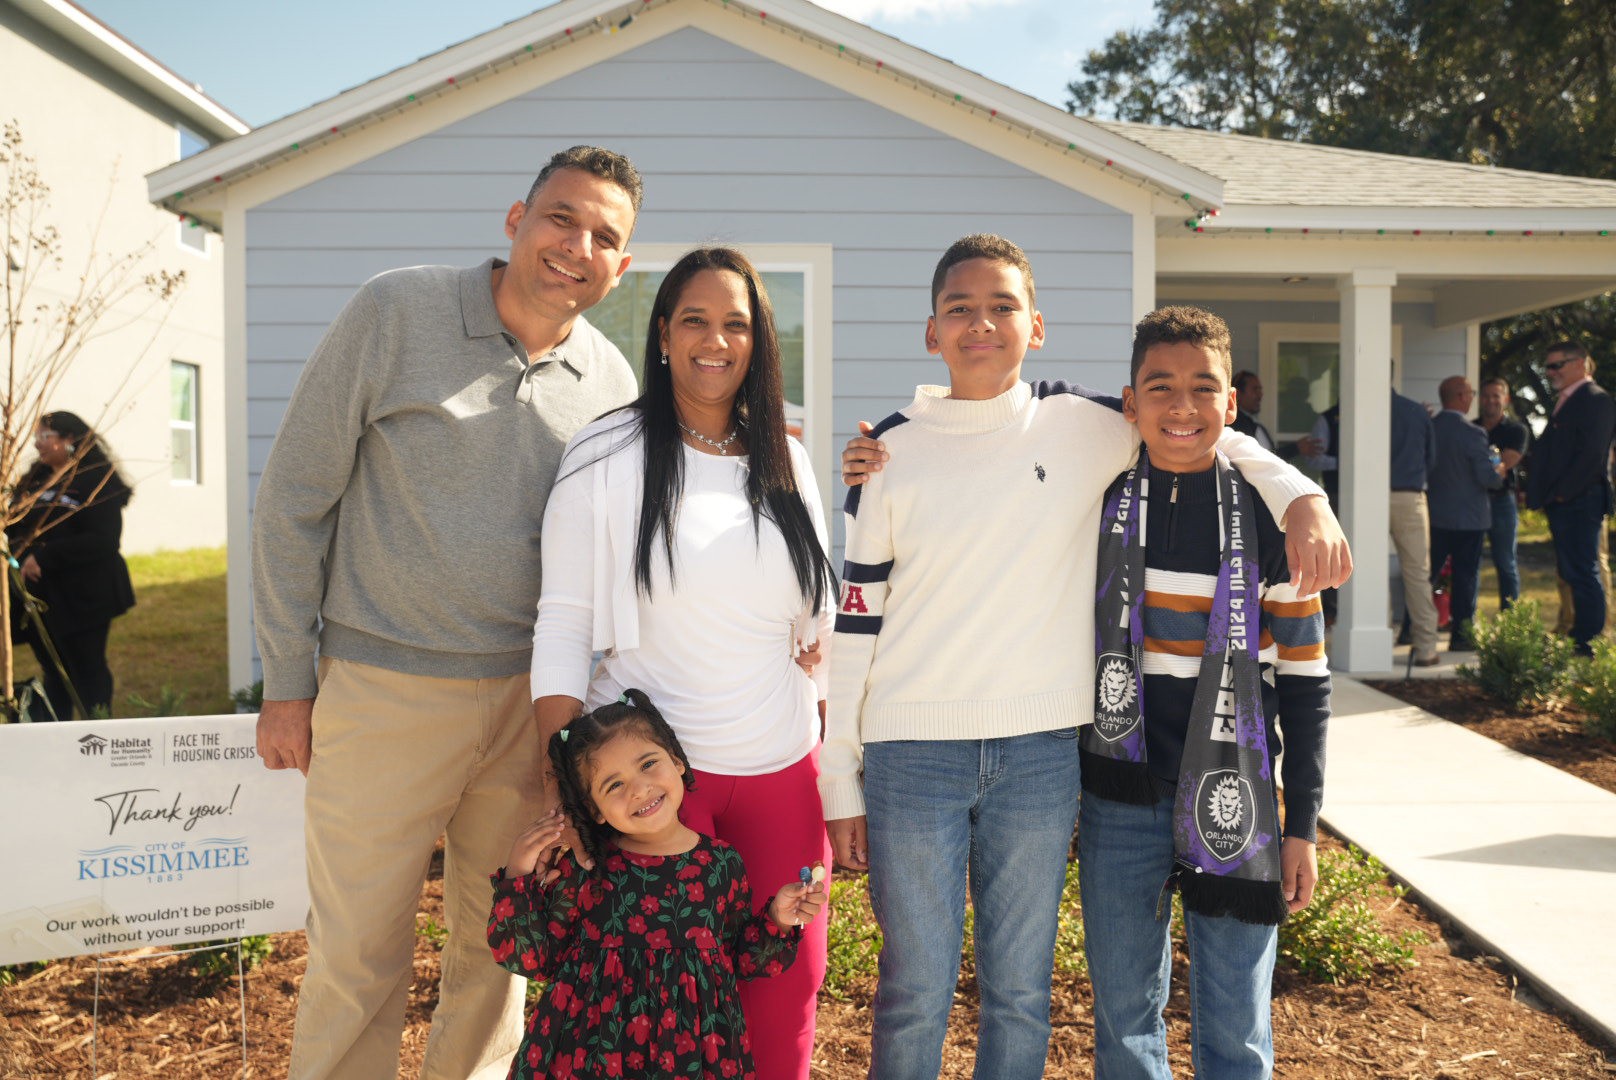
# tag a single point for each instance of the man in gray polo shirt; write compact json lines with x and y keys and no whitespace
{"x":396,"y":531}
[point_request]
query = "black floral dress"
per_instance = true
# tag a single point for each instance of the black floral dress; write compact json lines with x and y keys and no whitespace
{"x":642,"y":962}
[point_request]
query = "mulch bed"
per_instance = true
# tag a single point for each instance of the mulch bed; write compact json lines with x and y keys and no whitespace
{"x":1551,"y":733}
{"x":1457,"y":1016}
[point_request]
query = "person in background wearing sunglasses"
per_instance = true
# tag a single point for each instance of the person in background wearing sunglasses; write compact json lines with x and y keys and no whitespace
{"x":1570,"y":481}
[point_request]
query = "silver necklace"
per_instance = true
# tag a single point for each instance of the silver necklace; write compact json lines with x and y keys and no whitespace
{"x":716,"y":445}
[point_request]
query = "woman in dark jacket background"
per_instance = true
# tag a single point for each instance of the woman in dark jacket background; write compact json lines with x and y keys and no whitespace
{"x":67,"y":545}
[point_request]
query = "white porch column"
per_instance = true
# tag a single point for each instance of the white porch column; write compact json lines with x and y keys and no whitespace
{"x":1363,"y":641}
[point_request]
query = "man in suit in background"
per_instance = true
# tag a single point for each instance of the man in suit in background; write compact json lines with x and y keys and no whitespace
{"x":1570,"y":481}
{"x":1248,"y":395}
{"x":1461,"y":479}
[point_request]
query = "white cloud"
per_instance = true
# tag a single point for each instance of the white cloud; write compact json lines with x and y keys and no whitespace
{"x":904,"y":10}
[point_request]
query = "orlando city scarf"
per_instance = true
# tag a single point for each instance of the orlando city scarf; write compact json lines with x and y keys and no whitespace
{"x":1225,"y":823}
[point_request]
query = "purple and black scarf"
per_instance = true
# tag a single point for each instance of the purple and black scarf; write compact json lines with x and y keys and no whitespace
{"x":1226,"y":838}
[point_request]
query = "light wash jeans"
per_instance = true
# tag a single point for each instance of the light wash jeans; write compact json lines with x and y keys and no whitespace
{"x":1125,"y":855}
{"x":1002,"y":809}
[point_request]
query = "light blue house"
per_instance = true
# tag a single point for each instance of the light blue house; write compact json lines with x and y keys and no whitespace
{"x":845,"y":161}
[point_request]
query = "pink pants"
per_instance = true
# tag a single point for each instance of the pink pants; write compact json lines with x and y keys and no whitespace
{"x":777,"y":824}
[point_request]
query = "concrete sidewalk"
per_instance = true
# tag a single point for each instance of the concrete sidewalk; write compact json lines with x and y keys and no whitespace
{"x":1520,"y":854}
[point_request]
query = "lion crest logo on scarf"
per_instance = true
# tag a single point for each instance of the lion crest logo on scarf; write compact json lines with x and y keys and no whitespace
{"x":1114,"y":680}
{"x":1225,"y":813}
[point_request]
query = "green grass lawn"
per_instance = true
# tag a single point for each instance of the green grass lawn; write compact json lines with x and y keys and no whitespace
{"x":172,"y":642}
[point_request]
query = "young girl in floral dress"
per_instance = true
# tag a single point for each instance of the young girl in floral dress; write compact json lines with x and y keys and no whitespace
{"x":641,"y":955}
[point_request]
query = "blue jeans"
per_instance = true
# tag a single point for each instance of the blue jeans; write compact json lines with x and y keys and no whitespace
{"x":1126,"y":854}
{"x":1004,"y":810}
{"x":1575,"y":526}
{"x":1501,"y":538}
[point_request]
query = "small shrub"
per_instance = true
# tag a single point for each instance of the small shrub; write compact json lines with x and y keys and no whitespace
{"x":1069,"y":954}
{"x":429,"y":929}
{"x":855,"y":939}
{"x":170,"y":702}
{"x":12,"y":974}
{"x":1593,"y":689}
{"x":249,"y":699}
{"x":219,"y":963}
{"x":1337,"y":937}
{"x":1518,"y":661}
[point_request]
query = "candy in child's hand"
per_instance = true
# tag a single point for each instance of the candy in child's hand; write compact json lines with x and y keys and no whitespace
{"x":805,"y":875}
{"x":818,"y":873}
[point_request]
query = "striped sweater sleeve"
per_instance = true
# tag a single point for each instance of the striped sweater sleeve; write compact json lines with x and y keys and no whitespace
{"x":858,"y":625}
{"x":1302,"y":682}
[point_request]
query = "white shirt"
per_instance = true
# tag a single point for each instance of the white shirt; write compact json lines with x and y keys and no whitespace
{"x":713,"y":647}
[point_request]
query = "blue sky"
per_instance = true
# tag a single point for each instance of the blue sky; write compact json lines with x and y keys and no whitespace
{"x":265,"y":60}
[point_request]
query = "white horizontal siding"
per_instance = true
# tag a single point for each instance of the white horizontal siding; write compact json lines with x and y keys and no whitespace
{"x":733,"y":149}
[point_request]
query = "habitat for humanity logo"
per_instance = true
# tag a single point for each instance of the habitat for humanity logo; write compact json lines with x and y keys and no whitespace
{"x":125,"y":751}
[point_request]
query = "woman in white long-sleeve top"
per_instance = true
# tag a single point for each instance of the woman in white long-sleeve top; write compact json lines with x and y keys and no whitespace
{"x":684,"y":539}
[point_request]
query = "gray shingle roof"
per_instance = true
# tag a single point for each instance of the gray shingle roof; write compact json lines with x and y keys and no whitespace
{"x":1270,"y":172}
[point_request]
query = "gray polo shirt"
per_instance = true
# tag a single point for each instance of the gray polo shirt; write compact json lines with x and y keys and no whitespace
{"x":397,"y":520}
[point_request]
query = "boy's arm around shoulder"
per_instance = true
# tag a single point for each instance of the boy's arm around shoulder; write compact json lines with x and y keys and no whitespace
{"x":1315,"y":547}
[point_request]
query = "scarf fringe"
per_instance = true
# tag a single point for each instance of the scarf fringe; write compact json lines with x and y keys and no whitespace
{"x":1119,"y":781}
{"x":1260,"y":903}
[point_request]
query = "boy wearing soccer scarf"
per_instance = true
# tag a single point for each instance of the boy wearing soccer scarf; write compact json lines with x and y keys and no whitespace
{"x":1202,"y":645}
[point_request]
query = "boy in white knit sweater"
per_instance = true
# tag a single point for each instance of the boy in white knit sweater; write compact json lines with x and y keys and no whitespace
{"x":968,"y":599}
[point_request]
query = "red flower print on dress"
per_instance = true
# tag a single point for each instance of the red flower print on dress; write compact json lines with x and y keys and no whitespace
{"x":695,"y":892}
{"x":636,"y":924}
{"x":683,"y":1042}
{"x":614,"y":1064}
{"x":710,"y":1045}
{"x":530,"y":960}
{"x":688,"y":872}
{"x":702,"y":936}
{"x":657,"y":939}
{"x":650,"y":905}
{"x":503,"y":951}
{"x":504,"y":909}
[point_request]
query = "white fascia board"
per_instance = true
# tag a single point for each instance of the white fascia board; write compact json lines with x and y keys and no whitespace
{"x":81,"y":30}
{"x":434,"y":72}
{"x":1425,"y":218}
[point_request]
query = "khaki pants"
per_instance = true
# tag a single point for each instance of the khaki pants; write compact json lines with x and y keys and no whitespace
{"x":398,"y":760}
{"x":1411,"y":535}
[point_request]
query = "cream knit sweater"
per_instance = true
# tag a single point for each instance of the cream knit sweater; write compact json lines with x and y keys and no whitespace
{"x":967,"y":607}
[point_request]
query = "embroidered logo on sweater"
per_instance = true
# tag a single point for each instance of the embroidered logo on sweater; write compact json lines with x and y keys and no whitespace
{"x":854,"y":601}
{"x":1225,"y":813}
{"x":1116,"y":716}
{"x":1039,"y":469}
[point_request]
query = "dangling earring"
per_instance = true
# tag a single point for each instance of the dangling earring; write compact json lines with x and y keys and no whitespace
{"x":68,"y":448}
{"x":664,"y":356}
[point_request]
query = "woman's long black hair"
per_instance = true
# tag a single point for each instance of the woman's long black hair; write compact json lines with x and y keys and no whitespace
{"x":760,"y":416}
{"x":573,"y":745}
{"x":91,"y":457}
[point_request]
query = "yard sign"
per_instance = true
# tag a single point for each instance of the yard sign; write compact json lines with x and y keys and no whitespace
{"x":122,"y":834}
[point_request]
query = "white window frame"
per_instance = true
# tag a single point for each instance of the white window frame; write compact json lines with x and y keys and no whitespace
{"x":814,"y":262}
{"x":184,"y":229}
{"x":1269,"y":338}
{"x":193,"y":425}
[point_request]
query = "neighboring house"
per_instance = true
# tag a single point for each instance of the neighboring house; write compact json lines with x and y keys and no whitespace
{"x":845,"y":161}
{"x":98,"y":114}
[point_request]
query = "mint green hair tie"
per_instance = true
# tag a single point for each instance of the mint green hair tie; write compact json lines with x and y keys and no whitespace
{"x":622,"y":699}
{"x":563,"y":733}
